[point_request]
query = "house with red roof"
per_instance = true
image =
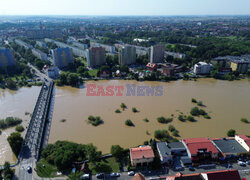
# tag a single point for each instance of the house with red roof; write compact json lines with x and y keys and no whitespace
{"x":151,"y":67}
{"x":214,"y":175}
{"x":200,"y":149}
{"x":220,"y":175}
{"x":142,"y":155}
{"x":180,"y":176}
{"x":244,"y":141}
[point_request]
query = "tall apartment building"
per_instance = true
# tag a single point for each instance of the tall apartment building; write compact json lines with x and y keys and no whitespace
{"x":157,"y":53}
{"x":96,"y":56}
{"x":202,"y":68}
{"x":127,"y":55}
{"x":24,"y":44}
{"x":62,"y":57}
{"x":39,"y":54}
{"x":240,"y":66}
{"x":6,"y":57}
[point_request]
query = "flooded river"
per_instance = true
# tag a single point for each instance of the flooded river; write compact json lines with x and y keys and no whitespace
{"x":226,"y":102}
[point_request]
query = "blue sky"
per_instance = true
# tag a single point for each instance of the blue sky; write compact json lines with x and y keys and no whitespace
{"x":124,"y":7}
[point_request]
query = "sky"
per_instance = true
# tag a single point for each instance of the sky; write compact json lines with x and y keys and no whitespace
{"x":124,"y":7}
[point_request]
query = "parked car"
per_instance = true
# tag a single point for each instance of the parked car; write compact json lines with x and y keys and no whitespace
{"x":191,"y":168}
{"x":100,"y":176}
{"x":29,"y":169}
{"x":179,"y":168}
{"x":229,"y":165}
{"x":85,"y":176}
{"x":131,"y":173}
{"x":241,"y":163}
{"x":248,"y":162}
{"x":115,"y":175}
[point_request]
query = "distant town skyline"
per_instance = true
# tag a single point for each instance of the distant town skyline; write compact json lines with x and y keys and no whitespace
{"x":128,"y":7}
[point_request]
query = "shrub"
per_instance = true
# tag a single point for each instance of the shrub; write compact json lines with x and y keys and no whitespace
{"x":200,"y":103}
{"x":134,"y":110}
{"x":190,"y":118}
{"x":171,"y":128}
{"x":117,"y":111}
{"x":95,"y":121}
{"x":244,"y":120}
{"x":123,"y":106}
{"x":19,"y":128}
{"x":195,"y":111}
{"x":163,"y":120}
{"x":9,"y":122}
{"x":194,"y":100}
{"x":63,"y":120}
{"x":146,"y":120}
{"x":162,"y":135}
{"x":202,"y":112}
{"x":181,"y":117}
{"x":207,"y":116}
{"x":231,"y":133}
{"x":176,"y":133}
{"x":128,"y":122}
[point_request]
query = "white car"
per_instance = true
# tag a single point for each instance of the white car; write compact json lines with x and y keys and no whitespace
{"x":131,"y":173}
{"x":114,"y":175}
{"x":241,"y":163}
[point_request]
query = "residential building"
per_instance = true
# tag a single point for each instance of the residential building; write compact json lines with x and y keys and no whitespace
{"x":157,"y":53}
{"x":75,"y":50}
{"x":180,"y":176}
{"x":164,"y":153}
{"x":177,"y":148}
{"x":202,"y":68}
{"x":24,"y":44}
{"x":240,"y":66}
{"x":96,"y":56}
{"x":43,"y":33}
{"x":80,"y":45}
{"x":244,"y":141}
{"x":41,"y":44}
{"x":138,"y":176}
{"x":39,"y":54}
{"x":108,"y":48}
{"x":214,"y":175}
{"x":151,"y":67}
{"x":142,"y":155}
{"x":199,"y":149}
{"x":6,"y":57}
{"x":221,"y":175}
{"x":228,"y":147}
{"x":62,"y":57}
{"x":127,"y":55}
{"x":53,"y":72}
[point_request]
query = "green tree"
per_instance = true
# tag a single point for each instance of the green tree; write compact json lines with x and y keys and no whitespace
{"x":7,"y":172}
{"x":91,"y":153}
{"x":15,"y":140}
{"x":231,"y":133}
{"x":117,"y":151}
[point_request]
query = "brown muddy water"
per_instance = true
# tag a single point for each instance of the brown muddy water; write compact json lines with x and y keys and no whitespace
{"x":226,"y":102}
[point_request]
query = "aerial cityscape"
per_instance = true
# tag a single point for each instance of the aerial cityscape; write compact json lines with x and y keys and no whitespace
{"x":129,"y":90}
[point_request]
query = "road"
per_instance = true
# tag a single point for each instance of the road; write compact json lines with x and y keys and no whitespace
{"x":38,"y":73}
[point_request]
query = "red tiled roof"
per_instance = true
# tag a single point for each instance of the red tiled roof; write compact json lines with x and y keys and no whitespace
{"x":142,"y":152}
{"x":226,"y":174}
{"x":151,"y":65}
{"x":180,"y":176}
{"x":138,"y":176}
{"x":248,"y":142}
{"x":194,"y":144}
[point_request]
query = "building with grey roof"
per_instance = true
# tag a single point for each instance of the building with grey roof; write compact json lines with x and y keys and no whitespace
{"x":228,"y":147}
{"x":164,"y":153}
{"x":177,"y":148}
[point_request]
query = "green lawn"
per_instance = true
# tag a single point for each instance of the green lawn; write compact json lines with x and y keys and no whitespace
{"x":47,"y":171}
{"x":108,"y":165}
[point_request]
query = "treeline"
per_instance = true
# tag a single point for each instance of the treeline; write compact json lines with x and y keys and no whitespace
{"x":64,"y":154}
